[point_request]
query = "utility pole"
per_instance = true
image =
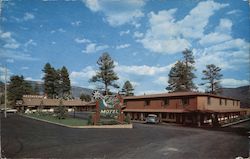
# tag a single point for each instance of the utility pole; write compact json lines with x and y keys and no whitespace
{"x":5,"y":94}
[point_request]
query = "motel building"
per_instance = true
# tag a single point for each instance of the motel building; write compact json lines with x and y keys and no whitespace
{"x":32,"y":103}
{"x":192,"y":108}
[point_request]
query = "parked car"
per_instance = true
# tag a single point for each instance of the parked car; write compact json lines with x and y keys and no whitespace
{"x":8,"y":110}
{"x":152,"y":118}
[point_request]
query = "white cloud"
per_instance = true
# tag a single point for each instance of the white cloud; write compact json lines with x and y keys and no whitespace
{"x":216,"y":59}
{"x":11,"y":46}
{"x":162,"y":80}
{"x":24,"y":68}
{"x":142,"y":70}
{"x":10,"y":60}
{"x":82,"y":40}
{"x":124,"y":32}
{"x":122,"y":46}
{"x":93,"y":5}
{"x":138,"y":34}
{"x":8,"y":41}
{"x":28,"y":16}
{"x":76,"y":23}
{"x":221,"y":34}
{"x":84,"y":75}
{"x":61,"y":30}
{"x":233,"y":83}
{"x":225,"y":26}
{"x":178,"y":33}
{"x":30,"y":42}
{"x":87,"y":72}
{"x":233,"y":12}
{"x":214,"y":38}
{"x":118,"y":12}
{"x":92,"y":48}
{"x":16,"y":55}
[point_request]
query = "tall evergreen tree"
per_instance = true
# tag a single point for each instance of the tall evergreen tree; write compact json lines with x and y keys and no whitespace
{"x":50,"y":81}
{"x":181,"y":74}
{"x":65,"y":82}
{"x":188,"y":60}
{"x":212,"y":77}
{"x":176,"y":78}
{"x":128,"y":89}
{"x":36,"y":89}
{"x":17,"y":88}
{"x":106,"y":74}
{"x":85,"y":97}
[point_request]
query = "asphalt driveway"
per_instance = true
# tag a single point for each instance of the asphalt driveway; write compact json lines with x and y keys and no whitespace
{"x":27,"y":138}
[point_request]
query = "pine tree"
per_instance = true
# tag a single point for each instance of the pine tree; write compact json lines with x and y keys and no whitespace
{"x":36,"y":89}
{"x":176,"y":79}
{"x":50,"y":81}
{"x":17,"y":88}
{"x":212,"y":77}
{"x":85,"y":97}
{"x":65,"y":82}
{"x":188,"y":70}
{"x":106,"y":74}
{"x":181,"y":74}
{"x":128,"y":89}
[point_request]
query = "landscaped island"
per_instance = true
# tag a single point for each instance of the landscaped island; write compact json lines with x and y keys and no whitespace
{"x":67,"y":121}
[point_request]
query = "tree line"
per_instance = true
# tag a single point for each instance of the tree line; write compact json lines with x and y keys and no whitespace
{"x":57,"y":82}
{"x":56,"y":85}
{"x":180,"y":77}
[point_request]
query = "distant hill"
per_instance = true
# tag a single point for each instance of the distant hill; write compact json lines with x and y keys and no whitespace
{"x":241,"y":93}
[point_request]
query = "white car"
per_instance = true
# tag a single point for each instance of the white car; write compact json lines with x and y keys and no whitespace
{"x":8,"y":110}
{"x":152,"y":118}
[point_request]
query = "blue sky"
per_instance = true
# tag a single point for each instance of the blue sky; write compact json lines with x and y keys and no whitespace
{"x":144,"y":38}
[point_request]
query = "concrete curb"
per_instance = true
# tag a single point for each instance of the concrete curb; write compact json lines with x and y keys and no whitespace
{"x":124,"y":126}
{"x":237,"y":122}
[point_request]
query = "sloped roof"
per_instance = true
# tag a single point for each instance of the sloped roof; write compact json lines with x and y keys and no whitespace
{"x":157,"y":110}
{"x":176,"y":94}
{"x":53,"y":102}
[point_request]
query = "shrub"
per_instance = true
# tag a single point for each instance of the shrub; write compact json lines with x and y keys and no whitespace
{"x":61,"y":112}
{"x":127,"y":119}
{"x":90,"y":120}
{"x":109,"y":122}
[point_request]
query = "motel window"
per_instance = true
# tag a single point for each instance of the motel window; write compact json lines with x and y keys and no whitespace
{"x":220,"y":101}
{"x":208,"y":100}
{"x":185,"y":101}
{"x":147,"y":102}
{"x":166,"y":101}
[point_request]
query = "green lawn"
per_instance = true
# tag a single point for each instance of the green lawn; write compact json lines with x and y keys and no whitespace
{"x":67,"y":121}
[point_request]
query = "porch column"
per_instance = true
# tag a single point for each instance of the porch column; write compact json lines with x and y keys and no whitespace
{"x":160,"y":117}
{"x":141,"y":116}
{"x":198,"y":120}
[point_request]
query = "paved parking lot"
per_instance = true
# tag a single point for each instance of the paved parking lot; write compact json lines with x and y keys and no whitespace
{"x":25,"y":138}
